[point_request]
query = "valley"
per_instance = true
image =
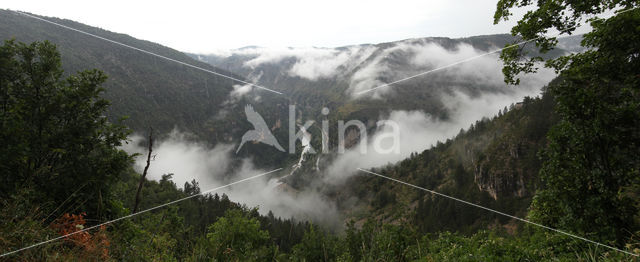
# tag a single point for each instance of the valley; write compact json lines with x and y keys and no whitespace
{"x":315,"y":153}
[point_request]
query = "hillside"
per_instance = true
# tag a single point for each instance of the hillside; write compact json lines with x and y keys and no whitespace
{"x":333,"y":77}
{"x":167,"y":95}
{"x":413,"y":150}
{"x":150,"y":90}
{"x":315,"y":77}
{"x":494,"y":163}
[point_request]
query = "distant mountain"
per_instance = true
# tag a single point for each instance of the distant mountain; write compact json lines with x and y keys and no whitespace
{"x":164,"y":94}
{"x":493,"y":162}
{"x":334,"y":76}
{"x":151,"y":90}
{"x":426,"y":75}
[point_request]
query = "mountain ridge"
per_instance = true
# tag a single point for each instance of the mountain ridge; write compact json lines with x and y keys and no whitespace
{"x":141,"y":86}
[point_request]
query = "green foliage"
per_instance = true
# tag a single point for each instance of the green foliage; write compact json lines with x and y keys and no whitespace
{"x":55,"y":137}
{"x":494,"y":163}
{"x":59,"y":155}
{"x":189,"y":222}
{"x":20,"y":226}
{"x":591,"y":162}
{"x":153,"y":237}
{"x":316,"y":245}
{"x":376,"y":242}
{"x":238,"y":237}
{"x":142,"y":86}
{"x":565,"y":16}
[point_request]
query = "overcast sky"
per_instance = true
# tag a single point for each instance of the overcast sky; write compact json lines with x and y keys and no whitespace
{"x":207,"y":26}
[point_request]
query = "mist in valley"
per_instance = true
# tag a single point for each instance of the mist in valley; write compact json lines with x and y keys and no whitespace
{"x":189,"y":159}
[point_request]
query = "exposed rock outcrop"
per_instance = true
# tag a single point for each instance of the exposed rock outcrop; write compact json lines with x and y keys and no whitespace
{"x":502,"y":174}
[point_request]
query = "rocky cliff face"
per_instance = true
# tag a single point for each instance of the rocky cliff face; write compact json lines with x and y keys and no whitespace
{"x":499,"y":175}
{"x":494,"y":164}
{"x":509,"y":165}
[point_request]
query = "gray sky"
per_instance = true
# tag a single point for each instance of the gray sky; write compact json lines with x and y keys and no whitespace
{"x":208,"y":26}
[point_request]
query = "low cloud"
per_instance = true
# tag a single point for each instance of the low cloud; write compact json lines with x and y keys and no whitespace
{"x":419,"y":131}
{"x":240,"y":90}
{"x":310,"y":63}
{"x":363,"y":67}
{"x":372,"y":66}
{"x":404,"y":60}
{"x":211,"y":167}
{"x":185,"y":158}
{"x":284,"y":201}
{"x":313,"y":67}
{"x":477,"y":66}
{"x":370,"y":75}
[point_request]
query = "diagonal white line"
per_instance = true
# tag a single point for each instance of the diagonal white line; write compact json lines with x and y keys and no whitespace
{"x":498,"y":212}
{"x":471,"y":58}
{"x":134,"y":214}
{"x":444,"y":67}
{"x":147,"y":52}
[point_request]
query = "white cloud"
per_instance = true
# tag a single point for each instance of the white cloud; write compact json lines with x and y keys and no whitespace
{"x":189,"y":160}
{"x":478,"y":66}
{"x":366,"y":67}
{"x":310,"y":63}
{"x":185,"y":158}
{"x":367,"y":77}
{"x":423,"y":57}
{"x":270,"y":194}
{"x":461,"y":65}
{"x":240,"y":90}
{"x":419,"y":131}
{"x":323,"y":66}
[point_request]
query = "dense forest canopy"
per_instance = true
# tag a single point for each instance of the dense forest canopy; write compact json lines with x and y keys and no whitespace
{"x":590,"y":176}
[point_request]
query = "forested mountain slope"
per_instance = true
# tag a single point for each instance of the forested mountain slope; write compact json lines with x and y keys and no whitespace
{"x":494,"y":163}
{"x":165,"y":95}
{"x":420,"y":70}
{"x":335,"y":77}
{"x":63,"y":167}
{"x":150,"y":90}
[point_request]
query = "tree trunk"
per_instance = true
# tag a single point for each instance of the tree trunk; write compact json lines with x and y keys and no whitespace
{"x":144,"y":173}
